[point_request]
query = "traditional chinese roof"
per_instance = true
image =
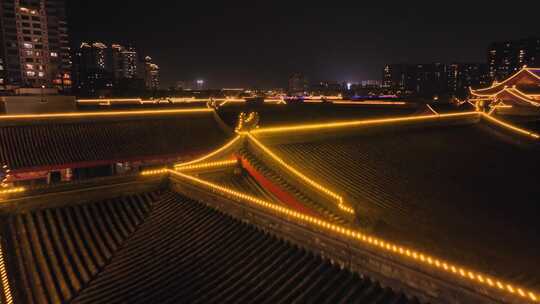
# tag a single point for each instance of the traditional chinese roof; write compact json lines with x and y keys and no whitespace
{"x":524,"y":77}
{"x":162,"y":246}
{"x":45,"y":143}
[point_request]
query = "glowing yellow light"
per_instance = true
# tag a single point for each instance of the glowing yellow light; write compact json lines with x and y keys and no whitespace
{"x":217,"y":164}
{"x":432,"y":110}
{"x":370,"y":102}
{"x":155,"y":172}
{"x":108,"y":113}
{"x":510,"y":127}
{"x":12,"y":190}
{"x":503,"y":83}
{"x":5,"y":279}
{"x":425,"y":260}
{"x":211,"y":154}
{"x":348,"y":124}
{"x":299,"y":174}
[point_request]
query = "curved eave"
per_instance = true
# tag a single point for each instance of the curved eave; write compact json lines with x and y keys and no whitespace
{"x":529,"y":74}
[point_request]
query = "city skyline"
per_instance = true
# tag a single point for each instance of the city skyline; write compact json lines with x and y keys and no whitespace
{"x":262,"y":46}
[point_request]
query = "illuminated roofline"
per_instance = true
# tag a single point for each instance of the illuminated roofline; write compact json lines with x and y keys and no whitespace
{"x":524,"y":69}
{"x":4,"y":277}
{"x":510,"y":126}
{"x":105,"y":114}
{"x":209,"y":155}
{"x":348,"y":124}
{"x":374,"y":243}
{"x":432,"y":110}
{"x":12,"y":190}
{"x":340,"y":202}
{"x":211,"y":165}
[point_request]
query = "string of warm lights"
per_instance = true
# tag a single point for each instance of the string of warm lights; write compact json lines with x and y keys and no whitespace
{"x":421,"y":258}
{"x":340,"y":203}
{"x":155,"y":172}
{"x":108,"y":113}
{"x":217,"y":164}
{"x":4,"y":278}
{"x":431,"y":109}
{"x":333,"y":125}
{"x":369,"y":102}
{"x":12,"y":190}
{"x":510,"y":127}
{"x":502,"y":83}
{"x":209,"y":155}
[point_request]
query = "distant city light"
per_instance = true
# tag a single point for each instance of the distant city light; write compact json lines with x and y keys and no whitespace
{"x":349,"y":85}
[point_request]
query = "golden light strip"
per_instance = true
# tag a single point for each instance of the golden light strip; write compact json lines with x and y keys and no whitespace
{"x":155,"y":172}
{"x":211,"y":154}
{"x":431,"y":109}
{"x":347,"y":124}
{"x":93,"y":101}
{"x":458,"y":272}
{"x":4,"y":277}
{"x":217,"y":164}
{"x":510,"y":127}
{"x":341,"y":205}
{"x":508,"y":79}
{"x":534,"y":103}
{"x":369,"y":102}
{"x":108,"y":113}
{"x":13,"y":190}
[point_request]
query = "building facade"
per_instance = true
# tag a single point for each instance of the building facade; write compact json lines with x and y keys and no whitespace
{"x":151,"y":74}
{"x":93,"y":73}
{"x":297,"y":84}
{"x":34,"y":45}
{"x":507,"y":57}
{"x":101,"y":70}
{"x":433,"y":79}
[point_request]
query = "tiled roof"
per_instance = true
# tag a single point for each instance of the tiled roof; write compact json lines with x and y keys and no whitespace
{"x":83,"y":143}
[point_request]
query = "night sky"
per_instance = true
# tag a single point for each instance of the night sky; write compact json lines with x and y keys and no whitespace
{"x":233,"y":45}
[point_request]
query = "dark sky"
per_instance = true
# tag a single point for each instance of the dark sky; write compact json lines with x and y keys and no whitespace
{"x":235,"y":45}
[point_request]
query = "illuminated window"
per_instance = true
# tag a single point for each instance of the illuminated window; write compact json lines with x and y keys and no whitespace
{"x":30,"y":73}
{"x":41,"y":74}
{"x":29,"y":66}
{"x":28,"y":45}
{"x":54,"y":54}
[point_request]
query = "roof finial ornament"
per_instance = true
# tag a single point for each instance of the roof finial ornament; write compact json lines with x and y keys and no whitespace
{"x":247,"y":122}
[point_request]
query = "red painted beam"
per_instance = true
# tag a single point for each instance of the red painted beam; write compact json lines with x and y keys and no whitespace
{"x":276,"y":190}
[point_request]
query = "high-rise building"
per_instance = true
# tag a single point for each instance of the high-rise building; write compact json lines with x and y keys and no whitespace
{"x":508,"y":57}
{"x":433,"y":79}
{"x":124,"y":62}
{"x":426,"y":80}
{"x":462,"y":76}
{"x":297,"y":84}
{"x":151,"y":74}
{"x":93,"y":74}
{"x":34,"y":46}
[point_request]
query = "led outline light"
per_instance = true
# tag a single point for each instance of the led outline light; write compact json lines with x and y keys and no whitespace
{"x":216,"y":164}
{"x":12,"y":190}
{"x":111,"y":113}
{"x":510,"y":126}
{"x":376,"y":243}
{"x":4,"y":277}
{"x":332,"y":125}
{"x":432,"y":110}
{"x":340,"y":203}
{"x":370,"y":102}
{"x":508,"y":79}
{"x":209,"y":155}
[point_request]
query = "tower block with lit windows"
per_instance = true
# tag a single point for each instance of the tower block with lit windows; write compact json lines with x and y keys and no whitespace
{"x":518,"y":94}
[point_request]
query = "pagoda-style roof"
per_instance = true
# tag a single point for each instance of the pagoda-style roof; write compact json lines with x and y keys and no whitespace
{"x":524,"y":77}
{"x":85,"y":140}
